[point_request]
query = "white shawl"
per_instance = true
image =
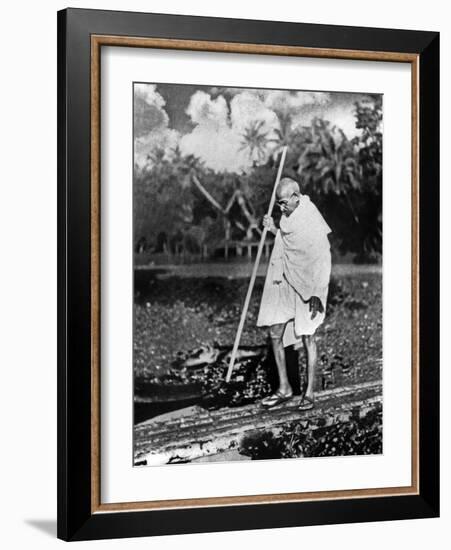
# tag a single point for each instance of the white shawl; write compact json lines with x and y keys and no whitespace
{"x":305,"y":249}
{"x":301,"y":254}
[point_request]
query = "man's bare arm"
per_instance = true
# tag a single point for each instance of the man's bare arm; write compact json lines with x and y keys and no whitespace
{"x":315,"y":306}
{"x":269,"y":223}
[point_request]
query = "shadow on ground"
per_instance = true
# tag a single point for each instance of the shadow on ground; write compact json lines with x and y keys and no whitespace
{"x":47,"y":526}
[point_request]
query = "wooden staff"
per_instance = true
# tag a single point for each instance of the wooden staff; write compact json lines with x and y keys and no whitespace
{"x":254,"y":271}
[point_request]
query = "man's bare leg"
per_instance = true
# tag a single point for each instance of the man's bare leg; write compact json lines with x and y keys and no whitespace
{"x":276,"y":335}
{"x":311,"y":353}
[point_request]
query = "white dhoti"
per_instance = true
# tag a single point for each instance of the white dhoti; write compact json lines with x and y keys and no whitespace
{"x":299,"y":268}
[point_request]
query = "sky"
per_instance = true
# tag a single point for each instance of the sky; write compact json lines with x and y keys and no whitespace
{"x":209,"y":122}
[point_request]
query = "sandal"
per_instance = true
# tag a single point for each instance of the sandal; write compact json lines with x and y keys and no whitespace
{"x":275,"y":399}
{"x":306,"y":403}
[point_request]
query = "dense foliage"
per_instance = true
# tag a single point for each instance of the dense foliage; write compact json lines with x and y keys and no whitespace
{"x":343,"y":177}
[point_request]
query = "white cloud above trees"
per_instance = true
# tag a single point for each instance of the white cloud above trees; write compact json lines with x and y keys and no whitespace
{"x":222,"y":118}
{"x":151,"y":124}
{"x":217,"y":137}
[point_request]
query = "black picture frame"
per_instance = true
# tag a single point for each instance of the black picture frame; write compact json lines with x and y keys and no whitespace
{"x":76,"y":518}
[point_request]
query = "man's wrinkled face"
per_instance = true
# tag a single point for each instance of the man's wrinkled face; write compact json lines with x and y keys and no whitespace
{"x":287,"y":201}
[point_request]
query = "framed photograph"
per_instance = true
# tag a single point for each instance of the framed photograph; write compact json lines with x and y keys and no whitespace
{"x":248,"y":274}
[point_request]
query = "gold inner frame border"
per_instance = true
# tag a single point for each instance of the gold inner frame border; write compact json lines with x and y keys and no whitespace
{"x":97,"y":41}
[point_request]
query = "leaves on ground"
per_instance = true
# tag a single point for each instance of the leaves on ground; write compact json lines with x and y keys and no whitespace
{"x":175,"y":317}
{"x":359,"y":436}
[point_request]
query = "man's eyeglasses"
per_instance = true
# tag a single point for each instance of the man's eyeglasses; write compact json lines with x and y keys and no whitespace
{"x":284,"y":202}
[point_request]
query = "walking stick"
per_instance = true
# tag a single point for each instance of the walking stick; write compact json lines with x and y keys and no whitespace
{"x":254,"y":271}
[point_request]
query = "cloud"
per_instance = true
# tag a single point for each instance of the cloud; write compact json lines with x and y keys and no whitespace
{"x":294,"y":102}
{"x":164,"y":139}
{"x":149,"y":113}
{"x":212,"y":139}
{"x":218,"y":148}
{"x":204,"y":110}
{"x":247,"y":108}
{"x":151,"y":122}
{"x":218,"y":135}
{"x":221,"y":117}
{"x":148,"y":92}
{"x":338,"y":113}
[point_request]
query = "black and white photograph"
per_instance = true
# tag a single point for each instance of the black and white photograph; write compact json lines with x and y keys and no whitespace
{"x":257,"y":242}
{"x":226,"y":252}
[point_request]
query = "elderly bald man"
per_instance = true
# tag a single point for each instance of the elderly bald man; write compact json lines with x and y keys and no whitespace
{"x":294,"y":296}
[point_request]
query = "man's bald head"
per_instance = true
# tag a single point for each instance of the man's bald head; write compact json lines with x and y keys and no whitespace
{"x":287,"y":187}
{"x":287,"y":195}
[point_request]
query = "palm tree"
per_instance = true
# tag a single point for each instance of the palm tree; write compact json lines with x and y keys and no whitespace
{"x":287,"y":136}
{"x":185,"y":165}
{"x":284,"y":134}
{"x":255,"y":141}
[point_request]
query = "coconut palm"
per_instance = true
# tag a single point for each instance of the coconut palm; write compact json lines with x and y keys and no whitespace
{"x":284,"y":135}
{"x":255,"y":141}
{"x":185,"y":166}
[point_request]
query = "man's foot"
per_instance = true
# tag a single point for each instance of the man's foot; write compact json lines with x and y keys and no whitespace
{"x":275,"y":399}
{"x":306,"y":403}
